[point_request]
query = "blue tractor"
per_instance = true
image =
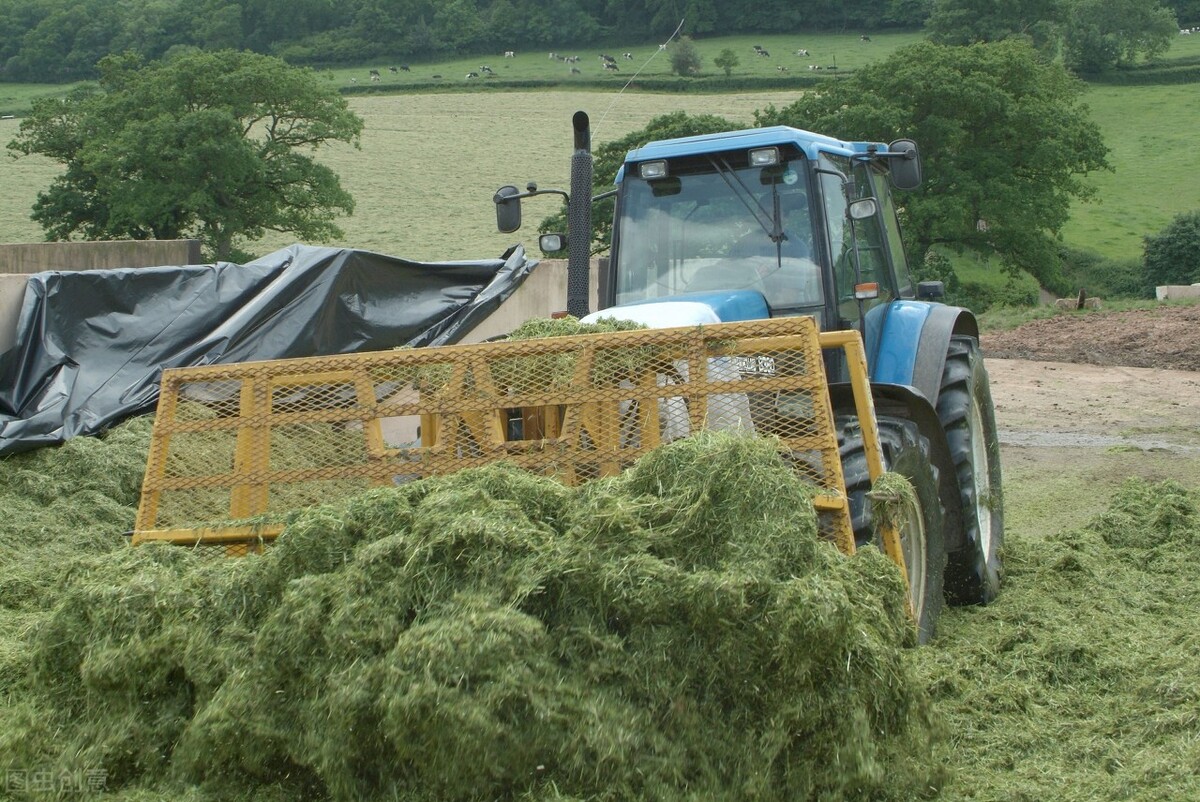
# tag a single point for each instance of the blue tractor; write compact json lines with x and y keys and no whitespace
{"x":779,"y":221}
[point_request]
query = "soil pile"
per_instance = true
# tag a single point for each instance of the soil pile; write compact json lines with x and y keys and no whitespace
{"x":1165,"y":337}
{"x":677,"y":632}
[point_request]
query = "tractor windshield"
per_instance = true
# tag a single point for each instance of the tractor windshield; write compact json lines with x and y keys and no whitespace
{"x":715,"y":222}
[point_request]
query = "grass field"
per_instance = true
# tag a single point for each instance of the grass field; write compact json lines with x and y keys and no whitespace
{"x":844,"y":51}
{"x":430,"y":160}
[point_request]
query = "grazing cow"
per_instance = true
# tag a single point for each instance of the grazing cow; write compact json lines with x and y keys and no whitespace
{"x":392,"y":70}
{"x":553,"y":56}
{"x":375,"y":79}
{"x":509,"y":54}
{"x":801,"y":52}
{"x":815,"y":67}
{"x":374,"y":73}
{"x":607,"y":58}
{"x":763,"y":53}
{"x":404,"y":68}
{"x":353,"y":80}
{"x":758,"y":48}
{"x":864,"y":38}
{"x":485,"y":68}
{"x":572,"y":59}
{"x":831,"y":67}
{"x":628,"y":56}
{"x":472,"y":75}
{"x":781,"y":68}
{"x":576,"y":71}
{"x":611,"y":65}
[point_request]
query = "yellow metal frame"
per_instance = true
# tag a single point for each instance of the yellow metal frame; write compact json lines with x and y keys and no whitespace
{"x":573,"y":428}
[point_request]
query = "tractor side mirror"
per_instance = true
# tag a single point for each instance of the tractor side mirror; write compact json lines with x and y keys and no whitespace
{"x":905,"y":164}
{"x":508,"y":209}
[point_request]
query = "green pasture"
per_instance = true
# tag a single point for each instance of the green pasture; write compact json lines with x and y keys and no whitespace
{"x":431,"y":159}
{"x":843,"y":51}
{"x":1151,"y":135}
{"x":15,"y":99}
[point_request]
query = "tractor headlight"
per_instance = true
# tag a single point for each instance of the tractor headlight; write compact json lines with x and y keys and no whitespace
{"x":764,"y":157}
{"x":653,"y":170}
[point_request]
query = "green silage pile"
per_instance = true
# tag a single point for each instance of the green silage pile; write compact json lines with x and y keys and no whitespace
{"x":674,"y":633}
{"x":1082,"y":682}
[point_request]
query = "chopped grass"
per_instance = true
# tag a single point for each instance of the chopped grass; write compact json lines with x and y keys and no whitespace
{"x":1079,"y":683}
{"x":675,"y":632}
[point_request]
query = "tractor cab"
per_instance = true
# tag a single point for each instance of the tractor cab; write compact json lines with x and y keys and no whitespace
{"x":804,"y":221}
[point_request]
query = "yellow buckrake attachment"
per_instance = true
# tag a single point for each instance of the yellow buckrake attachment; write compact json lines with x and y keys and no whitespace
{"x":235,"y":447}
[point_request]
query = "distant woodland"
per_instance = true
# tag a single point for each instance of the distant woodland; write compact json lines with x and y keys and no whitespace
{"x":61,"y":40}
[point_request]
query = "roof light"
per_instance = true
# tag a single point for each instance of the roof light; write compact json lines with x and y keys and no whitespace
{"x":652,"y":170}
{"x":764,"y":157}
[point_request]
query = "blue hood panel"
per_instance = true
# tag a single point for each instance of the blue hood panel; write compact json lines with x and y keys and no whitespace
{"x":730,"y":306}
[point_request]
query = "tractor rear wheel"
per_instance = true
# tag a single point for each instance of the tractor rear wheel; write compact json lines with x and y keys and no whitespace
{"x":920,"y":518}
{"x":974,"y":572}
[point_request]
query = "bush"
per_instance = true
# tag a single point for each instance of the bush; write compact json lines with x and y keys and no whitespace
{"x":1100,"y":276}
{"x":976,"y":295}
{"x":685,"y":59}
{"x":1172,"y":256}
{"x":727,"y":60}
{"x":936,"y":266}
{"x":979,"y":297}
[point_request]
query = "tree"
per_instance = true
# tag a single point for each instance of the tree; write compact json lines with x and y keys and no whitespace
{"x":968,"y":22}
{"x":1004,"y":141}
{"x":727,"y":60}
{"x":1102,"y":34}
{"x":609,"y":157}
{"x":1172,"y":256}
{"x":685,"y":59}
{"x":207,"y":145}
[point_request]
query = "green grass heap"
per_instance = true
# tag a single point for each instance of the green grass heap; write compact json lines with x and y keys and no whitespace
{"x":677,"y":632}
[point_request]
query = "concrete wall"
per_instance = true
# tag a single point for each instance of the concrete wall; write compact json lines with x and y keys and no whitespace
{"x":542,"y":293}
{"x":18,"y":261}
{"x":34,"y":257}
{"x":1171,"y":292}
{"x":12,"y":291}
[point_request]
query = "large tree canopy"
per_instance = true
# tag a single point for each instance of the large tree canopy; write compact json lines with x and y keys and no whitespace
{"x":1101,"y":34}
{"x":966,"y":22}
{"x":1004,"y":139}
{"x":214,"y":146}
{"x":1094,"y":35}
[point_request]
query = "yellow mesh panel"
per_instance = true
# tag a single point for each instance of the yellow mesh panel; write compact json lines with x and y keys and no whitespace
{"x":256,"y":440}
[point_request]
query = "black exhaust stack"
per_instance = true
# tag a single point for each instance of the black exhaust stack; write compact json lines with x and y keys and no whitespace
{"x":579,"y":218}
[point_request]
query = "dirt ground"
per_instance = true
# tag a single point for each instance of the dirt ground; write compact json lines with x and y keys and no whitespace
{"x":1102,"y":377}
{"x":1084,"y":401}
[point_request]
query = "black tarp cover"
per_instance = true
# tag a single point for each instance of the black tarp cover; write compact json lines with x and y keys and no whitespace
{"x":91,"y":345}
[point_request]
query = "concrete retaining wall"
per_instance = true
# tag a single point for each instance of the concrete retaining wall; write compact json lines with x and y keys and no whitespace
{"x":34,"y":257}
{"x":543,"y":293}
{"x":12,"y":292}
{"x":20,"y":260}
{"x":1172,"y":292}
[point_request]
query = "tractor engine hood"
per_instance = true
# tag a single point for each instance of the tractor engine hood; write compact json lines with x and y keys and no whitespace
{"x":691,"y":309}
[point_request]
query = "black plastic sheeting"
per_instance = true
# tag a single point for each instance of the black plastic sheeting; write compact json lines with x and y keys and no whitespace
{"x":91,"y":346}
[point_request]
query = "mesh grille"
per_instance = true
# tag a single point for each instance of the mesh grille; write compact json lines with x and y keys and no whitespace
{"x":255,"y":440}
